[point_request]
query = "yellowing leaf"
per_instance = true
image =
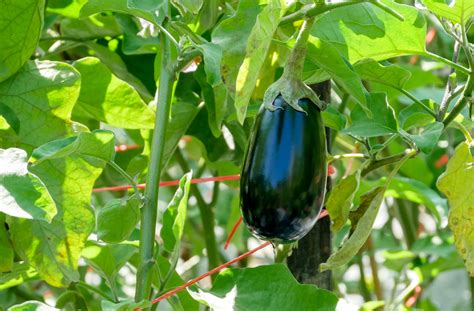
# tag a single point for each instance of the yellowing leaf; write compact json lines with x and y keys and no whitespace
{"x":457,"y":183}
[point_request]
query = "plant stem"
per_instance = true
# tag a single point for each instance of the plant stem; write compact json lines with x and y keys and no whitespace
{"x":443,"y":107}
{"x":462,"y":101}
{"x":94,"y":289}
{"x":295,"y":63}
{"x":417,"y":101}
{"x":314,"y":10}
{"x":362,"y":282}
{"x":387,"y":160}
{"x":447,"y":62}
{"x":387,"y":9}
{"x":374,"y":268}
{"x":127,"y":177}
{"x":347,"y":156}
{"x":149,"y":210}
{"x":207,"y":217}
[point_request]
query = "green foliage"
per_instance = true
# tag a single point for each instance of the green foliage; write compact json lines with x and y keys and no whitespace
{"x":264,"y":288}
{"x":456,"y":183}
{"x":21,"y":24}
{"x":78,"y":78}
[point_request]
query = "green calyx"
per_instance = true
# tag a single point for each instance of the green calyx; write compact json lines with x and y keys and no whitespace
{"x":290,"y":86}
{"x":292,"y":90}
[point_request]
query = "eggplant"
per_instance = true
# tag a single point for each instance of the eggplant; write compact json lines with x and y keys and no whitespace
{"x":283,"y":178}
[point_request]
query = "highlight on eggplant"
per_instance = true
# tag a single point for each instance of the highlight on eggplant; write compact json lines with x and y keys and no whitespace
{"x":283,"y":179}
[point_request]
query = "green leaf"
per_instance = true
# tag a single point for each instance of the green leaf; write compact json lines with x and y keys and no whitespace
{"x":94,"y":27}
{"x":107,"y":260}
{"x":340,"y":198}
{"x":327,"y":57}
{"x":391,"y":75}
{"x":383,"y":120}
{"x":216,"y":101}
{"x":42,"y":95}
{"x":20,"y":273}
{"x":116,"y":211}
{"x":397,"y":259}
{"x":269,"y":287}
{"x":362,"y":221}
{"x":68,"y":8}
{"x":459,"y":11}
{"x":231,"y":35}
{"x":175,"y":215}
{"x":143,"y":9}
{"x":6,"y":249}
{"x":414,"y":116}
{"x":32,"y":306}
{"x":23,"y":194}
{"x":53,"y":249}
{"x":126,"y":305}
{"x":333,"y":118}
{"x":185,"y":6}
{"x":256,"y":51}
{"x":136,"y":38}
{"x":456,"y":183}
{"x":106,"y":98}
{"x":416,"y":191}
{"x":21,"y":23}
{"x":365,"y":31}
{"x":119,"y":68}
{"x":99,"y":145}
{"x":212,"y":54}
{"x":429,"y":137}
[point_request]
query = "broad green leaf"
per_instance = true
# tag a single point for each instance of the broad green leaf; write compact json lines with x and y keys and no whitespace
{"x":125,"y":305}
{"x":119,"y":68}
{"x":415,"y":116}
{"x":107,"y":260}
{"x":327,"y":57}
{"x":458,"y":11}
{"x":42,"y":95}
{"x":68,"y":8}
{"x":6,"y":249}
{"x":391,"y":75}
{"x":365,"y":31}
{"x":362,"y":221}
{"x":255,"y":53}
{"x":457,"y":184}
{"x":212,"y":54}
{"x":429,"y":137}
{"x":231,"y":35}
{"x":23,"y":194}
{"x":175,"y":215}
{"x":89,"y":28}
{"x":21,"y":23}
{"x":115,"y":212}
{"x":269,"y":287}
{"x":53,"y":249}
{"x":340,"y":198}
{"x":20,"y":273}
{"x":333,"y":118}
{"x":32,"y":306}
{"x":99,"y":145}
{"x":381,"y":123}
{"x":185,"y":6}
{"x":106,"y":98}
{"x":10,"y":117}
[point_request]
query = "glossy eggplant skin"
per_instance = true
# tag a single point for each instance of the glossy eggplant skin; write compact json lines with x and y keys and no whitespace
{"x":283,"y":179}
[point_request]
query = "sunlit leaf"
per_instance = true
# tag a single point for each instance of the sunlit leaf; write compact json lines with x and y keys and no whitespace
{"x":21,"y":23}
{"x":458,"y":11}
{"x":270,"y":287}
{"x":23,"y":194}
{"x":457,"y":184}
